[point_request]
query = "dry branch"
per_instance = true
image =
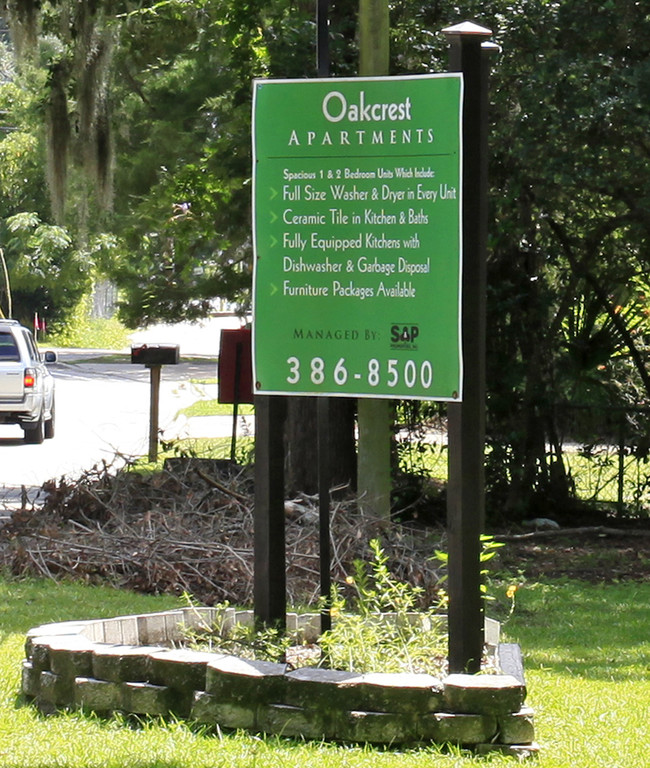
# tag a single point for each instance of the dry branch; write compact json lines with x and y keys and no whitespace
{"x":190,"y":529}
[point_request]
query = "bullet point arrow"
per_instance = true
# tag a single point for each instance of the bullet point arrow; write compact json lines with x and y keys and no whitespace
{"x":274,"y":194}
{"x":274,"y":241}
{"x":274,"y":289}
{"x":274,"y":217}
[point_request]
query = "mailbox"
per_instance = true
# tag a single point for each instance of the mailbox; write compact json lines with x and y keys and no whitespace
{"x":235,"y":370}
{"x":155,"y":354}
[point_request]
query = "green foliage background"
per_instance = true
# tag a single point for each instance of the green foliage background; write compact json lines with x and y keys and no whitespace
{"x":125,"y":153}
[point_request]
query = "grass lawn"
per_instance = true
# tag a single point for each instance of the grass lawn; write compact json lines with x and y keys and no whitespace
{"x":201,"y":447}
{"x":587,"y":650}
{"x":215,"y":408}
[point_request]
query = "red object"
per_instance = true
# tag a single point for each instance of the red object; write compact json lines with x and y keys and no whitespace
{"x":235,"y":369}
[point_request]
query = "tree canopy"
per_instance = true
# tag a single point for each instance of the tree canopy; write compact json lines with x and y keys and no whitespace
{"x":126,"y":152}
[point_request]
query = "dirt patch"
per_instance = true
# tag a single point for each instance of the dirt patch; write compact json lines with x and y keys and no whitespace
{"x":589,"y":557}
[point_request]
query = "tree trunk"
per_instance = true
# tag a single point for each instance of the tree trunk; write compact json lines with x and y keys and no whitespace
{"x":374,"y":480}
{"x":301,"y":451}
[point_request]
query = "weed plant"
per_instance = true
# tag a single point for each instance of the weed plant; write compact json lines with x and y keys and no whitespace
{"x":379,"y":629}
{"x":241,"y":640}
{"x":376,"y":629}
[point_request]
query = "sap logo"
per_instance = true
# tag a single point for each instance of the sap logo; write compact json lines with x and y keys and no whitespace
{"x":404,"y":335}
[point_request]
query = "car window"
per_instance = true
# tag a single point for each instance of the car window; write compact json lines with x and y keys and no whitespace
{"x":31,"y":346}
{"x":8,"y":349}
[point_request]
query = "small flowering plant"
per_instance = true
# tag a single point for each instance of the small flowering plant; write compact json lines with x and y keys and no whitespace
{"x":378,"y":629}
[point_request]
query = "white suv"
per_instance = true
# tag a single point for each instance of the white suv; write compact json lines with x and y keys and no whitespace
{"x":26,"y":385}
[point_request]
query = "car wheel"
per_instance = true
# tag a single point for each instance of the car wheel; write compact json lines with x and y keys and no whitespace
{"x":48,"y":427}
{"x":35,"y":433}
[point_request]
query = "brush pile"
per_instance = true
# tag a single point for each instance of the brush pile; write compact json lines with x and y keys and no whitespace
{"x":189,"y":528}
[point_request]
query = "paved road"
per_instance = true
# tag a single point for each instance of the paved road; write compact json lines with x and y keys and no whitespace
{"x":102,"y":414}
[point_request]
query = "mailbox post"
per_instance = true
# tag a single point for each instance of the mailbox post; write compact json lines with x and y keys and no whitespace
{"x":153,"y":357}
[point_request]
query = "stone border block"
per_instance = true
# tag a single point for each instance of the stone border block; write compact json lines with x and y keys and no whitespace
{"x":57,"y":628}
{"x":117,"y":663}
{"x":483,"y":694}
{"x":198,"y":619}
{"x":518,"y":727}
{"x":236,"y":680}
{"x":294,"y":722}
{"x":54,"y":689}
{"x":181,"y":668}
{"x":510,"y":661}
{"x":393,"y":692}
{"x":226,"y":619}
{"x":94,"y":630}
{"x":207,"y":709}
{"x":122,"y":631}
{"x":72,"y":664}
{"x":30,"y":680}
{"x":245,"y":619}
{"x":39,"y":655}
{"x":451,"y":727}
{"x":377,"y":728}
{"x":183,"y":671}
{"x":308,"y":626}
{"x":98,"y":695}
{"x":316,"y":687}
{"x":146,"y":699}
{"x":69,"y":664}
{"x":159,"y":628}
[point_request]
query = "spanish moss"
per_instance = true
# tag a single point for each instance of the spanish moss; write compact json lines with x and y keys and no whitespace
{"x":77,"y":106}
{"x":58,"y":139}
{"x":23,"y":18}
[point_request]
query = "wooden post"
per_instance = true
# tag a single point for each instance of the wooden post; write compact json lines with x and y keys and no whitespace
{"x":620,"y":502}
{"x":324,"y":475}
{"x":323,"y":40}
{"x":239,"y":351}
{"x":466,"y":419}
{"x":373,"y":471}
{"x":154,"y":410}
{"x":269,"y":587}
{"x":323,"y":403}
{"x":374,"y":26}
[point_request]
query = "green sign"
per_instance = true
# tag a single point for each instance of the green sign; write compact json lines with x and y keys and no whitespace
{"x":357,"y":202}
